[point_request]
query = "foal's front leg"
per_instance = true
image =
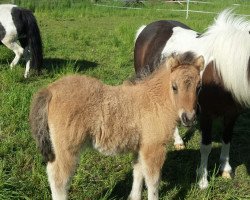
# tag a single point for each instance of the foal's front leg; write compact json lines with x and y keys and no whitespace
{"x":135,"y":193}
{"x":152,"y":160}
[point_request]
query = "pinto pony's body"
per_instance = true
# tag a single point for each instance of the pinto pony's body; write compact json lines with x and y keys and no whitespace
{"x":19,"y":24}
{"x":226,"y":78}
{"x":135,"y":117}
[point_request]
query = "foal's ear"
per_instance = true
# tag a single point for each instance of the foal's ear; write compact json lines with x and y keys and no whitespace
{"x":199,"y":63}
{"x":173,"y":63}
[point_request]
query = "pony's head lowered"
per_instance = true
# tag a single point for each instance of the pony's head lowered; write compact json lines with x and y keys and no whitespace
{"x":185,"y":83}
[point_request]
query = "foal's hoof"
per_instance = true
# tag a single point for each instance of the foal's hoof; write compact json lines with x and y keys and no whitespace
{"x":227,"y":175}
{"x":179,"y":147}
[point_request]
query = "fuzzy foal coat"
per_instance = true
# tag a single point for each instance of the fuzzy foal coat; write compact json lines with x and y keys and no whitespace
{"x":139,"y":117}
{"x":105,"y":117}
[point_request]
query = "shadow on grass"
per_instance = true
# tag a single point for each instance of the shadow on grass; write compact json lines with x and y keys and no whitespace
{"x":122,"y":188}
{"x":179,"y":170}
{"x":240,"y":146}
{"x":54,"y":64}
{"x":189,"y":134}
{"x":6,"y":61}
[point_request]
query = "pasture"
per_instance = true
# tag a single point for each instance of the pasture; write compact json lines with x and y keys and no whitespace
{"x":81,"y":38}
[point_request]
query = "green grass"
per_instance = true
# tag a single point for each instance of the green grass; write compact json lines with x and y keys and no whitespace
{"x":85,"y":39}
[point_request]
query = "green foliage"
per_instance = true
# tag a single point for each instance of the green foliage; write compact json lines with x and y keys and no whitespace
{"x":79,"y":37}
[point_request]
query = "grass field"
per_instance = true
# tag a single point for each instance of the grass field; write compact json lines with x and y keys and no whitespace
{"x":79,"y":37}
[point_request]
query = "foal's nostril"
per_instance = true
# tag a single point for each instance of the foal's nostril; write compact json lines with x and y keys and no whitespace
{"x":188,"y":118}
{"x":184,"y":118}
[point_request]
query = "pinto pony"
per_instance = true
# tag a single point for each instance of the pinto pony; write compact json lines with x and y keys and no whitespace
{"x":138,"y":117}
{"x":19,"y":24}
{"x":226,"y":78}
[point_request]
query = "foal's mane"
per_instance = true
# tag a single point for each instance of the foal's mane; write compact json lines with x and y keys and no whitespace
{"x":186,"y":58}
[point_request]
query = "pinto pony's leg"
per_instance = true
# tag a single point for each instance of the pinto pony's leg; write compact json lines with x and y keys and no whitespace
{"x":12,"y":45}
{"x":27,"y":69}
{"x":205,"y":149}
{"x":152,"y":160}
{"x":27,"y":56}
{"x":178,"y":142}
{"x":225,"y":167}
{"x":27,"y":59}
{"x":135,"y":193}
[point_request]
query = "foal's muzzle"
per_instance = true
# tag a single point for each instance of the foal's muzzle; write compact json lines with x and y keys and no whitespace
{"x":188,"y":118}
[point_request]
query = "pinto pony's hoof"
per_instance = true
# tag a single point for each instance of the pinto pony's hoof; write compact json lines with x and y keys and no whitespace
{"x":227,"y":175}
{"x":203,"y":184}
{"x":179,"y":147}
{"x":133,"y":198}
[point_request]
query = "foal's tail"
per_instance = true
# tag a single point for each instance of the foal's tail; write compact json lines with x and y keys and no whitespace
{"x":39,"y":124}
{"x":34,"y":39}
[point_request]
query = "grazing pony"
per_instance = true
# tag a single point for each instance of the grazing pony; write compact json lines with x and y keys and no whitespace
{"x":226,"y":78}
{"x":19,"y":24}
{"x":138,"y":117}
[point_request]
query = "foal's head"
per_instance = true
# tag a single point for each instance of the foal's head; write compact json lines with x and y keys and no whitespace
{"x":185,"y":83}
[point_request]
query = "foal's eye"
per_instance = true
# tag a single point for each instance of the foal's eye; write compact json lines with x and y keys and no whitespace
{"x":174,"y":87}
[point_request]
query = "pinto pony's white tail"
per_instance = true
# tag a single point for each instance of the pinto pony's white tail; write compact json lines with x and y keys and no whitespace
{"x":33,"y":38}
{"x":139,"y":31}
{"x":228,"y":43}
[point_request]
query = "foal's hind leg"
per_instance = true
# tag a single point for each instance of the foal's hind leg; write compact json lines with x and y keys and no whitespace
{"x":12,"y":45}
{"x":225,"y":167}
{"x":152,"y":160}
{"x":59,"y":173}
